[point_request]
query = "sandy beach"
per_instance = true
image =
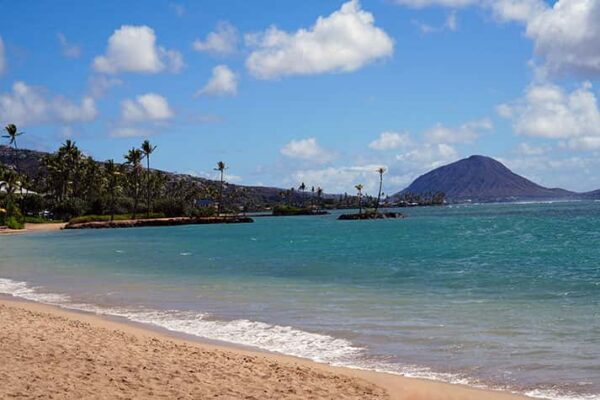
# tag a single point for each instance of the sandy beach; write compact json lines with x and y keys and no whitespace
{"x":34,"y":228}
{"x":48,"y":352}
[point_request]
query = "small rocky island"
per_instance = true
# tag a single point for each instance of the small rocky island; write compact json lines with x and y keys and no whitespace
{"x":136,"y":223}
{"x":284,"y":210}
{"x":372,"y":215}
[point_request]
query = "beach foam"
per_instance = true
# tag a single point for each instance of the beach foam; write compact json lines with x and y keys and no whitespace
{"x":281,"y":339}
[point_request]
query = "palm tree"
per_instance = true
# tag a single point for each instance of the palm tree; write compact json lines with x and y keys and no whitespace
{"x":113,"y":175}
{"x":359,"y":188}
{"x":134,"y":159}
{"x":9,"y":183}
{"x":319,"y":194}
{"x":221,"y":168}
{"x":147,"y":149}
{"x":302,"y":188}
{"x":12,"y":134}
{"x":381,"y":171}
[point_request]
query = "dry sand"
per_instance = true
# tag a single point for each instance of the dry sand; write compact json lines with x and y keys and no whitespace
{"x":34,"y":228}
{"x":47,"y":352}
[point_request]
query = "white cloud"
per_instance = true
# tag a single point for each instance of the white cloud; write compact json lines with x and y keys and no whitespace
{"x":147,"y":107}
{"x":504,"y":10}
{"x":2,"y":57}
{"x":526,"y":149}
{"x":428,"y":156}
{"x":224,"y":40}
{"x":344,"y":41}
{"x":552,"y":171}
{"x":450,"y":24}
{"x":31,"y":105}
{"x":443,"y":3}
{"x":222,"y":82}
{"x":548,"y":111}
{"x":69,"y":49}
{"x":465,"y":133}
{"x":567,"y":36}
{"x":307,"y":149}
{"x":100,"y":84}
{"x":134,"y":49}
{"x":390,"y":141}
{"x":340,"y":179}
{"x":516,"y":10}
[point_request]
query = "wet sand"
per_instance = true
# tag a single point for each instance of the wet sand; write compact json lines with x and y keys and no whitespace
{"x":49,"y":352}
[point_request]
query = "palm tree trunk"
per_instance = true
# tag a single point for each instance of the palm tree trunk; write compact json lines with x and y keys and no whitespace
{"x":221,"y":195}
{"x":148,"y":186}
{"x":379,"y":194}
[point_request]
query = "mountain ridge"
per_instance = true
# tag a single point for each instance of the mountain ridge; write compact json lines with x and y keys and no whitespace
{"x":484,"y":179}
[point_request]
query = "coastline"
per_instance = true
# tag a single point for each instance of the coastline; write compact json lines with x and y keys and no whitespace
{"x":230,"y":369}
{"x":29,"y":228}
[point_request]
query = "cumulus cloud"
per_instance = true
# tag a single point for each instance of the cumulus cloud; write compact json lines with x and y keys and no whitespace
{"x":2,"y":57}
{"x":567,"y":36}
{"x":222,"y":82}
{"x":546,"y":110}
{"x":69,"y":50}
{"x":224,"y":40}
{"x":555,"y":171}
{"x":30,"y":105}
{"x":307,"y":149}
{"x":391,"y":141}
{"x":516,"y":10}
{"x":428,"y":156}
{"x":340,"y":179}
{"x":146,"y":107}
{"x":344,"y":41}
{"x":465,"y":133}
{"x":134,"y":49}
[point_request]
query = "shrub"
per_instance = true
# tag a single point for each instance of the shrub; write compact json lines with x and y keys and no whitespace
{"x":203,"y":212}
{"x":118,"y":217}
{"x":69,"y":208}
{"x":172,"y":207}
{"x":13,"y":223}
{"x":290,"y":210}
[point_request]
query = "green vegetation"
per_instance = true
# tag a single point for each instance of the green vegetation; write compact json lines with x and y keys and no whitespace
{"x":120,"y":217}
{"x":71,"y":186}
{"x":281,"y":210}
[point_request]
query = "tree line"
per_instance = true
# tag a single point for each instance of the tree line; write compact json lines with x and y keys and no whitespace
{"x":70,"y":184}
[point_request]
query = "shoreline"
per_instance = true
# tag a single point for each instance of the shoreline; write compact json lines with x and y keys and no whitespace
{"x":397,"y":387}
{"x":30,"y":228}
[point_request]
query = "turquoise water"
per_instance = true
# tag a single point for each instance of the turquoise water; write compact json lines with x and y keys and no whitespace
{"x":502,"y":296}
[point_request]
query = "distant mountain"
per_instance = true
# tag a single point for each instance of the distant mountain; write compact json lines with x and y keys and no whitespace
{"x":484,"y":179}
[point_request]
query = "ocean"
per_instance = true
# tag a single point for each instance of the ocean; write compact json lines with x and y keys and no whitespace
{"x":503,"y":296}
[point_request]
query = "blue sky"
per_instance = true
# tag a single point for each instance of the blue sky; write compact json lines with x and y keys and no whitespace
{"x":317,"y":91}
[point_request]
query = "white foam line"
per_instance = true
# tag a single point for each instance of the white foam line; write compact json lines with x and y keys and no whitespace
{"x":275,"y":338}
